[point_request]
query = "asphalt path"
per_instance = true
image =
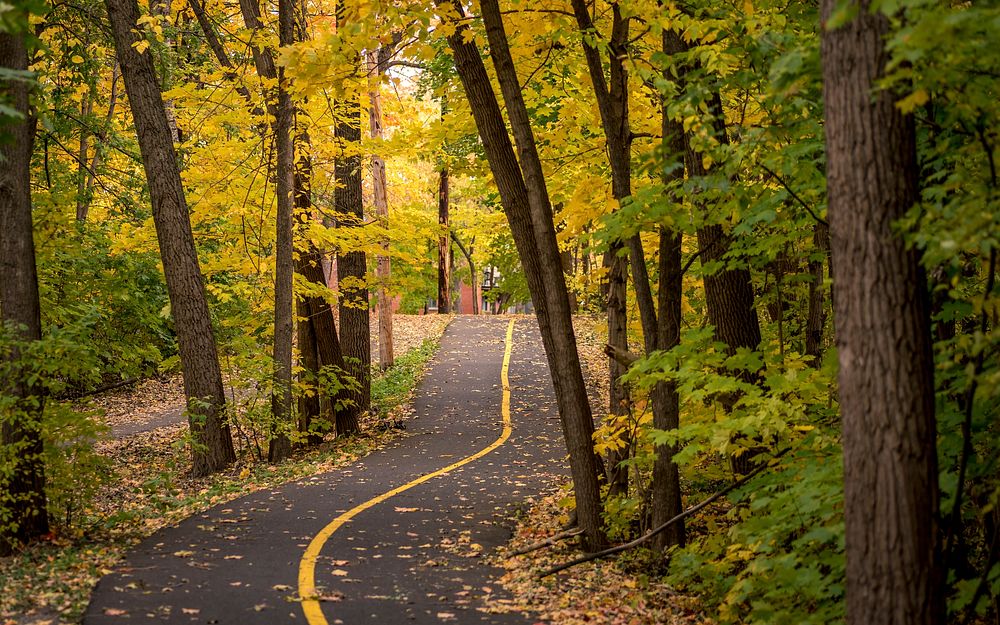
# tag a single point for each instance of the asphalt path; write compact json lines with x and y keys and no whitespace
{"x":397,"y":537}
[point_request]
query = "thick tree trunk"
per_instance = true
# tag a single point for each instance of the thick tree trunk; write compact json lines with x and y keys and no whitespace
{"x":376,"y":63}
{"x":891,"y":498}
{"x":310,"y":406}
{"x":618,"y":397}
{"x":22,"y":484}
{"x":525,"y":201}
{"x":444,"y":247}
{"x":328,"y":343}
{"x":729,"y":295}
{"x":665,"y":498}
{"x":280,"y":446}
{"x":195,"y":338}
{"x":352,"y":266}
{"x":309,"y":402}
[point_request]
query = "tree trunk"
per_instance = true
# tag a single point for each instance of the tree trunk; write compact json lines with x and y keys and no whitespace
{"x":444,"y":258}
{"x":894,"y":565}
{"x":309,"y":402}
{"x":376,"y":63}
{"x":22,"y":484}
{"x":525,"y":201}
{"x":327,"y":342}
{"x":355,"y":321}
{"x":192,"y":322}
{"x":280,"y":446}
{"x":816,"y":319}
{"x":665,"y":498}
{"x":729,"y":295}
{"x":618,"y":397}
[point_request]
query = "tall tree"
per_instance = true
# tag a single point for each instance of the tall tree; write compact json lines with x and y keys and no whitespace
{"x":894,"y":565}
{"x":376,"y":68}
{"x":22,"y":485}
{"x":525,"y":201}
{"x":192,"y":322}
{"x":352,"y":267}
{"x":660,"y":330}
{"x":280,"y":446}
{"x":444,"y":242}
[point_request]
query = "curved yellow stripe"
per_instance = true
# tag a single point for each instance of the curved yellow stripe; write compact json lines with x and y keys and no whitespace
{"x":307,"y":567}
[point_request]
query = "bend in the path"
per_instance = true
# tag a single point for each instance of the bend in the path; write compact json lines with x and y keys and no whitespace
{"x":414,"y":558}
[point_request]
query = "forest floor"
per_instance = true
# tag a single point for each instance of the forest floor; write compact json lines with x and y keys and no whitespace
{"x":144,"y":485}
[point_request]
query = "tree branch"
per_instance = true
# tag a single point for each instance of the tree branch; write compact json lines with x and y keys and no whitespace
{"x":683,"y":515}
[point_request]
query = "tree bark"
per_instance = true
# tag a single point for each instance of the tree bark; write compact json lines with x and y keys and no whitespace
{"x":22,"y":484}
{"x":891,"y":499}
{"x":192,"y":322}
{"x":376,"y":63}
{"x":352,"y":266}
{"x":328,"y":343}
{"x":280,"y":446}
{"x":525,"y":201}
{"x":816,"y":319}
{"x":444,"y":247}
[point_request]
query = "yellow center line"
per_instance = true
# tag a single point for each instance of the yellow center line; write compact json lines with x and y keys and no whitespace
{"x":307,"y":566}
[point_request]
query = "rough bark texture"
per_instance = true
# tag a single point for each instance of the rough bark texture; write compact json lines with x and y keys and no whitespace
{"x":22,"y":489}
{"x":666,"y":501}
{"x":383,"y":271}
{"x":612,"y":100}
{"x":444,"y":246}
{"x":618,"y":397}
{"x":525,"y":201}
{"x":327,"y":341}
{"x":894,"y":567}
{"x":352,"y":266}
{"x":196,"y":341}
{"x":280,"y":446}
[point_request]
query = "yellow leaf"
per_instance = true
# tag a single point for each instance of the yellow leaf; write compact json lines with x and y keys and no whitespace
{"x":140,"y":46}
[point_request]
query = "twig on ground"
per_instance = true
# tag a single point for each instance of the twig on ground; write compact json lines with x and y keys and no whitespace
{"x":683,"y":515}
{"x":551,"y":540}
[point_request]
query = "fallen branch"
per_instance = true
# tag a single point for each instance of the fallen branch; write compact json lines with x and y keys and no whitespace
{"x":683,"y":515}
{"x":551,"y":540}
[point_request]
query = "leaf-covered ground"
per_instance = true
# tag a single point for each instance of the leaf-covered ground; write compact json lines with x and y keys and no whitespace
{"x":604,"y":592}
{"x":148,"y":487}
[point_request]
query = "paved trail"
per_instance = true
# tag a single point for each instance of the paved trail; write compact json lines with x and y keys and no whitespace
{"x":390,"y":539}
